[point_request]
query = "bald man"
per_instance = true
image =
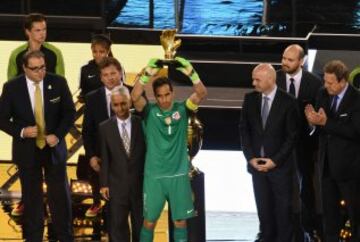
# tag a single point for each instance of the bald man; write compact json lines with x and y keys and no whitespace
{"x":304,"y":86}
{"x":268,"y":130}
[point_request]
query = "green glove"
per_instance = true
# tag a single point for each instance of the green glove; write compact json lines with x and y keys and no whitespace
{"x":150,"y":70}
{"x":188,"y":69}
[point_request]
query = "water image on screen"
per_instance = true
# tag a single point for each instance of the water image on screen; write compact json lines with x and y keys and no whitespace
{"x":238,"y":17}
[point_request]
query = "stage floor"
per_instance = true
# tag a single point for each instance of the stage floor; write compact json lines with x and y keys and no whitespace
{"x":235,"y":224}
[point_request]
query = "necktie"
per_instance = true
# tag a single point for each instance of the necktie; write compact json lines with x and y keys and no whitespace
{"x":333,"y":108}
{"x":39,"y":117}
{"x":265,"y":110}
{"x":292,"y":87}
{"x":125,"y":138}
{"x":108,"y":102}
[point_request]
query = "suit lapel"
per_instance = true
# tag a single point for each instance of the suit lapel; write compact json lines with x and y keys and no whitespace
{"x":103,"y":102}
{"x":258,"y":102}
{"x":26,"y":95}
{"x":133,"y":135}
{"x":115,"y":135}
{"x":274,"y":109}
{"x":46,"y":96}
{"x":346,"y":101}
{"x":282,"y":81}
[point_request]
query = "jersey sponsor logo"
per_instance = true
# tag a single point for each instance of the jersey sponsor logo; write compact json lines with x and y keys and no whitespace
{"x":159,"y":115}
{"x":91,"y":76}
{"x":176,"y":115}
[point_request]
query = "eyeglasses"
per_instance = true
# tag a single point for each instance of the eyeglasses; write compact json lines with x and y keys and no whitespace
{"x":37,"y":68}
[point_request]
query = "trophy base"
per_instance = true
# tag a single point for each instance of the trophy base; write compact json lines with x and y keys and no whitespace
{"x":168,"y":62}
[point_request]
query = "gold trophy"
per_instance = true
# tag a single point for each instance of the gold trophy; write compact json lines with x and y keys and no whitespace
{"x":169,"y":44}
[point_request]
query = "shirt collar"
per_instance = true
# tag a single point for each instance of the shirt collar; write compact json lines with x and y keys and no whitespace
{"x":342,"y":93}
{"x":31,"y":83}
{"x":296,"y":77}
{"x":126,"y":121}
{"x":271,"y":95}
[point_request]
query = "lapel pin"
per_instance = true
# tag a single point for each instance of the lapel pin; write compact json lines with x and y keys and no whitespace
{"x":49,"y":87}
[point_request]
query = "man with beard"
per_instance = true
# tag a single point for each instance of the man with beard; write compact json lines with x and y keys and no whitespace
{"x":304,"y":86}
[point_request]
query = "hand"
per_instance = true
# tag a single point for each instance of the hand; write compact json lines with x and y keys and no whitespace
{"x":149,"y":71}
{"x":269,"y":165}
{"x":188,"y":70}
{"x":322,"y":117}
{"x":30,"y":132}
{"x":95,"y":163}
{"x":104,"y":191}
{"x":52,"y":140}
{"x":311,"y":115}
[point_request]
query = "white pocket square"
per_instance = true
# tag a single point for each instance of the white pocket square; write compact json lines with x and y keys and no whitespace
{"x":55,"y":100}
{"x":343,"y":115}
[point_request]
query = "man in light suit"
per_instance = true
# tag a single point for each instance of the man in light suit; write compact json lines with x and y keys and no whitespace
{"x":122,"y":167}
{"x":337,"y":116}
{"x":268,"y":130}
{"x":37,"y":110}
{"x":304,"y":86}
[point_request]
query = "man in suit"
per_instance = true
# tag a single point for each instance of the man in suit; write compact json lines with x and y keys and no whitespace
{"x":122,"y":167}
{"x":304,"y":86}
{"x":97,"y":110}
{"x":37,"y":110}
{"x":337,"y":116}
{"x":268,"y":130}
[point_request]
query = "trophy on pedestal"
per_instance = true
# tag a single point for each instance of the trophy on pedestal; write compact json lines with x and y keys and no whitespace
{"x":195,"y":127}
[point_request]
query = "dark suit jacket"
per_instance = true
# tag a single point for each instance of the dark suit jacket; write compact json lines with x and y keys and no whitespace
{"x":122,"y":174}
{"x":309,"y":88}
{"x":340,"y":137}
{"x":279,"y":135}
{"x":95,"y":112}
{"x":16,"y":113}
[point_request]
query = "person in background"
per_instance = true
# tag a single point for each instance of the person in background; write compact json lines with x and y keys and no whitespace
{"x":90,"y":73}
{"x":122,"y":167}
{"x":97,"y":110}
{"x":337,"y":117}
{"x":304,"y":86}
{"x":35,"y":28}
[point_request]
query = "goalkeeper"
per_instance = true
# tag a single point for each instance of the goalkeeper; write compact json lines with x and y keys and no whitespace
{"x":166,"y":163}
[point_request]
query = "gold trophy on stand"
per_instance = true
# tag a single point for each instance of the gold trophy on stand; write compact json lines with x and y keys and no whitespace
{"x":195,"y":127}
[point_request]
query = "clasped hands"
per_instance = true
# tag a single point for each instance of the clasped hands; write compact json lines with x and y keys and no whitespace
{"x":32,"y":132}
{"x":313,"y":117}
{"x":267,"y":165}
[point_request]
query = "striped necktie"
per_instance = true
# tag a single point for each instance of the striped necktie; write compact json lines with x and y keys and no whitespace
{"x":125,"y":138}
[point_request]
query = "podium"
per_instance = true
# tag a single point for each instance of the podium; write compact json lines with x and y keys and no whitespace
{"x":196,"y":226}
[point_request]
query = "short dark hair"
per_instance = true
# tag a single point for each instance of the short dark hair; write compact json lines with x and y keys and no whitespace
{"x":33,"y":17}
{"x":338,"y":68}
{"x":161,"y":81}
{"x":102,"y":40}
{"x":32,"y":54}
{"x":110,"y":61}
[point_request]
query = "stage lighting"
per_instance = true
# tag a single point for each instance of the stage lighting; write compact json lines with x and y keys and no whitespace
{"x":80,"y":187}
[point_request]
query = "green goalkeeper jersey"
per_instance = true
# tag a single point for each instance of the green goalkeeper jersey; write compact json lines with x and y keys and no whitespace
{"x":166,"y":138}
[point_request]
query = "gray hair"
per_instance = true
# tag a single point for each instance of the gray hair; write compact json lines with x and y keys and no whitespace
{"x":120,"y":90}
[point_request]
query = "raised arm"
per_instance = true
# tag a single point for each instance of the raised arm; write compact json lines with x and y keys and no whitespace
{"x":200,"y":91}
{"x":141,"y":80}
